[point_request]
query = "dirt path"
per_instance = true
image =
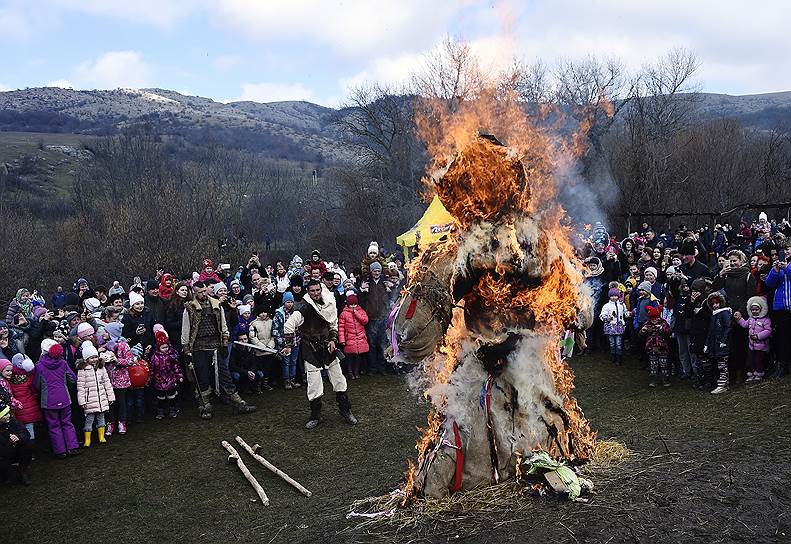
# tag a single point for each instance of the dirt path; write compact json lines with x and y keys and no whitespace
{"x":705,"y":469}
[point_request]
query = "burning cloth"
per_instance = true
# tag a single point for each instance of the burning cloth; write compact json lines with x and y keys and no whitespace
{"x":483,"y":316}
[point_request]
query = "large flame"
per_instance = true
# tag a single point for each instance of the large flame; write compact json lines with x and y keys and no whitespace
{"x":480,"y":181}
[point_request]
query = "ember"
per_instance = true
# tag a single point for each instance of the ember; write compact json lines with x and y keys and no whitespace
{"x":498,"y":385}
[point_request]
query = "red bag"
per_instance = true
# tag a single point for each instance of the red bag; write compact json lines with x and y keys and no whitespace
{"x":138,"y":374}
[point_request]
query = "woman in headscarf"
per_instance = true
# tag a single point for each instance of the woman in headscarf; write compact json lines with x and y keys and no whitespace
{"x":21,"y":304}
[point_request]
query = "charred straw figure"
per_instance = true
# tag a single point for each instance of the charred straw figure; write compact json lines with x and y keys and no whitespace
{"x":497,"y":383}
{"x":317,"y":323}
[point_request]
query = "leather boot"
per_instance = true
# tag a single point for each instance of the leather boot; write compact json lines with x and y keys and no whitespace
{"x":780,"y":370}
{"x":240,"y":406}
{"x":345,"y":408}
{"x":315,"y":414}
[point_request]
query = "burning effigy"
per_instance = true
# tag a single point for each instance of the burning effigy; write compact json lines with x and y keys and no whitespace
{"x":483,"y":316}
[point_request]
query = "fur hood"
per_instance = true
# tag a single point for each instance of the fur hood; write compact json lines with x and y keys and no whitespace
{"x":760,"y":301}
{"x":716,"y":294}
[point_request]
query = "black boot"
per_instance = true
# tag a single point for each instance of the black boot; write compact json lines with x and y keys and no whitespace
{"x":315,"y":414}
{"x":240,"y":406}
{"x":345,"y":408}
{"x":780,"y":370}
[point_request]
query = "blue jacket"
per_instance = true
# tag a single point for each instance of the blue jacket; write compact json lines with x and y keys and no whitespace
{"x":781,"y":283}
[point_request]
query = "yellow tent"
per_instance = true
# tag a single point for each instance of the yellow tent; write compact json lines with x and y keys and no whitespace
{"x":434,"y":224}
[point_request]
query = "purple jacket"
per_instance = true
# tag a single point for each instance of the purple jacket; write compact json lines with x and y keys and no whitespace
{"x":52,"y":377}
{"x":165,"y":373}
{"x":761,"y":327}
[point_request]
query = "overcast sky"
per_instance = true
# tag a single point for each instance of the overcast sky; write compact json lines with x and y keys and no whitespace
{"x":268,"y":50}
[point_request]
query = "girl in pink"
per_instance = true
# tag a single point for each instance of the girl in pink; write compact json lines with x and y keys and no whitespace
{"x":165,"y":373}
{"x":759,"y":330}
{"x":351,"y":334}
{"x":6,"y":395}
{"x":22,"y":388}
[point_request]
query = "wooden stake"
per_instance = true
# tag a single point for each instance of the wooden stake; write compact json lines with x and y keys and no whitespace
{"x":254,"y":452}
{"x":233,"y":457}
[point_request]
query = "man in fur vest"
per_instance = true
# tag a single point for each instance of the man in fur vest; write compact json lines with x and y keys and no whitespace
{"x":317,"y":323}
{"x":203,"y":332}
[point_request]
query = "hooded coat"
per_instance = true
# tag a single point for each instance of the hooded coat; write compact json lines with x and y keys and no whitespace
{"x":759,"y":329}
{"x":118,"y":370}
{"x":718,"y":339}
{"x":351,"y":330}
{"x":51,"y":381}
{"x":23,"y":390}
{"x":94,"y":389}
{"x":165,"y":371}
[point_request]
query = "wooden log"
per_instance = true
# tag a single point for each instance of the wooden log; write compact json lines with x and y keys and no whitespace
{"x":233,"y":457}
{"x":254,"y":452}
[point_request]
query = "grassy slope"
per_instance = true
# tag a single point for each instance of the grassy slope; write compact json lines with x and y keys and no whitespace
{"x":14,"y":145}
{"x":711,"y":469}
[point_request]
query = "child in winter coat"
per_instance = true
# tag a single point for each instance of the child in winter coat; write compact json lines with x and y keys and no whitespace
{"x":117,"y":365}
{"x":351,"y":335}
{"x":94,"y":391}
{"x":656,"y":332}
{"x":289,"y":362}
{"x":6,"y":395}
{"x":260,"y":334}
{"x":614,"y":315}
{"x":22,"y":377}
{"x":165,"y":373}
{"x":759,"y":330}
{"x":53,"y":377}
{"x":717,"y":347}
{"x":242,"y":326}
{"x":244,"y":367}
{"x":15,"y":447}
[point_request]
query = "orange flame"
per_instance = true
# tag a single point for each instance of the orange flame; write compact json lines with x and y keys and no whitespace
{"x":488,"y":182}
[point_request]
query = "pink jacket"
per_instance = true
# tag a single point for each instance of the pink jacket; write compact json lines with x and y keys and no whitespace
{"x":165,"y":371}
{"x":761,"y":328}
{"x":94,"y":390}
{"x":351,"y":330}
{"x":119,"y":370}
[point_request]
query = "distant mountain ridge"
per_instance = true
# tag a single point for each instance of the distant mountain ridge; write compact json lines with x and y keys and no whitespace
{"x":281,"y":127}
{"x":294,"y":130}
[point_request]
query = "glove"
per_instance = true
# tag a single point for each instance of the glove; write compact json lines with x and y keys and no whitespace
{"x":705,"y":349}
{"x":723,"y":345}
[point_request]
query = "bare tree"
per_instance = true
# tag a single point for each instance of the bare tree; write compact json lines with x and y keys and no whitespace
{"x":378,"y":124}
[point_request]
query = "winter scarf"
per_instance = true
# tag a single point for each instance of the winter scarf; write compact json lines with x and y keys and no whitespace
{"x":25,"y":309}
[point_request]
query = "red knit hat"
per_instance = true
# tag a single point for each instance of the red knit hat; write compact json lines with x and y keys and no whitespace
{"x":653,"y":312}
{"x":160,"y":335}
{"x":56,"y":351}
{"x":351,"y":298}
{"x":208,"y":263}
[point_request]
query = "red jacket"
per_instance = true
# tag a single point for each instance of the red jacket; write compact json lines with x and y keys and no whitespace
{"x":23,"y":391}
{"x":351,"y":330}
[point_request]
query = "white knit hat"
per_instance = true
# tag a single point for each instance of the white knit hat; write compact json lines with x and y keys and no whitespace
{"x":217,"y":286}
{"x":134,"y":298}
{"x":373,"y":247}
{"x":46,"y":344}
{"x":88,"y":350}
{"x":652,"y":270}
{"x":84,"y":329}
{"x":244,"y":308}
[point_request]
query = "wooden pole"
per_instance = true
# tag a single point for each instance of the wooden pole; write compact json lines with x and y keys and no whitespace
{"x":254,"y":452}
{"x":233,"y":457}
